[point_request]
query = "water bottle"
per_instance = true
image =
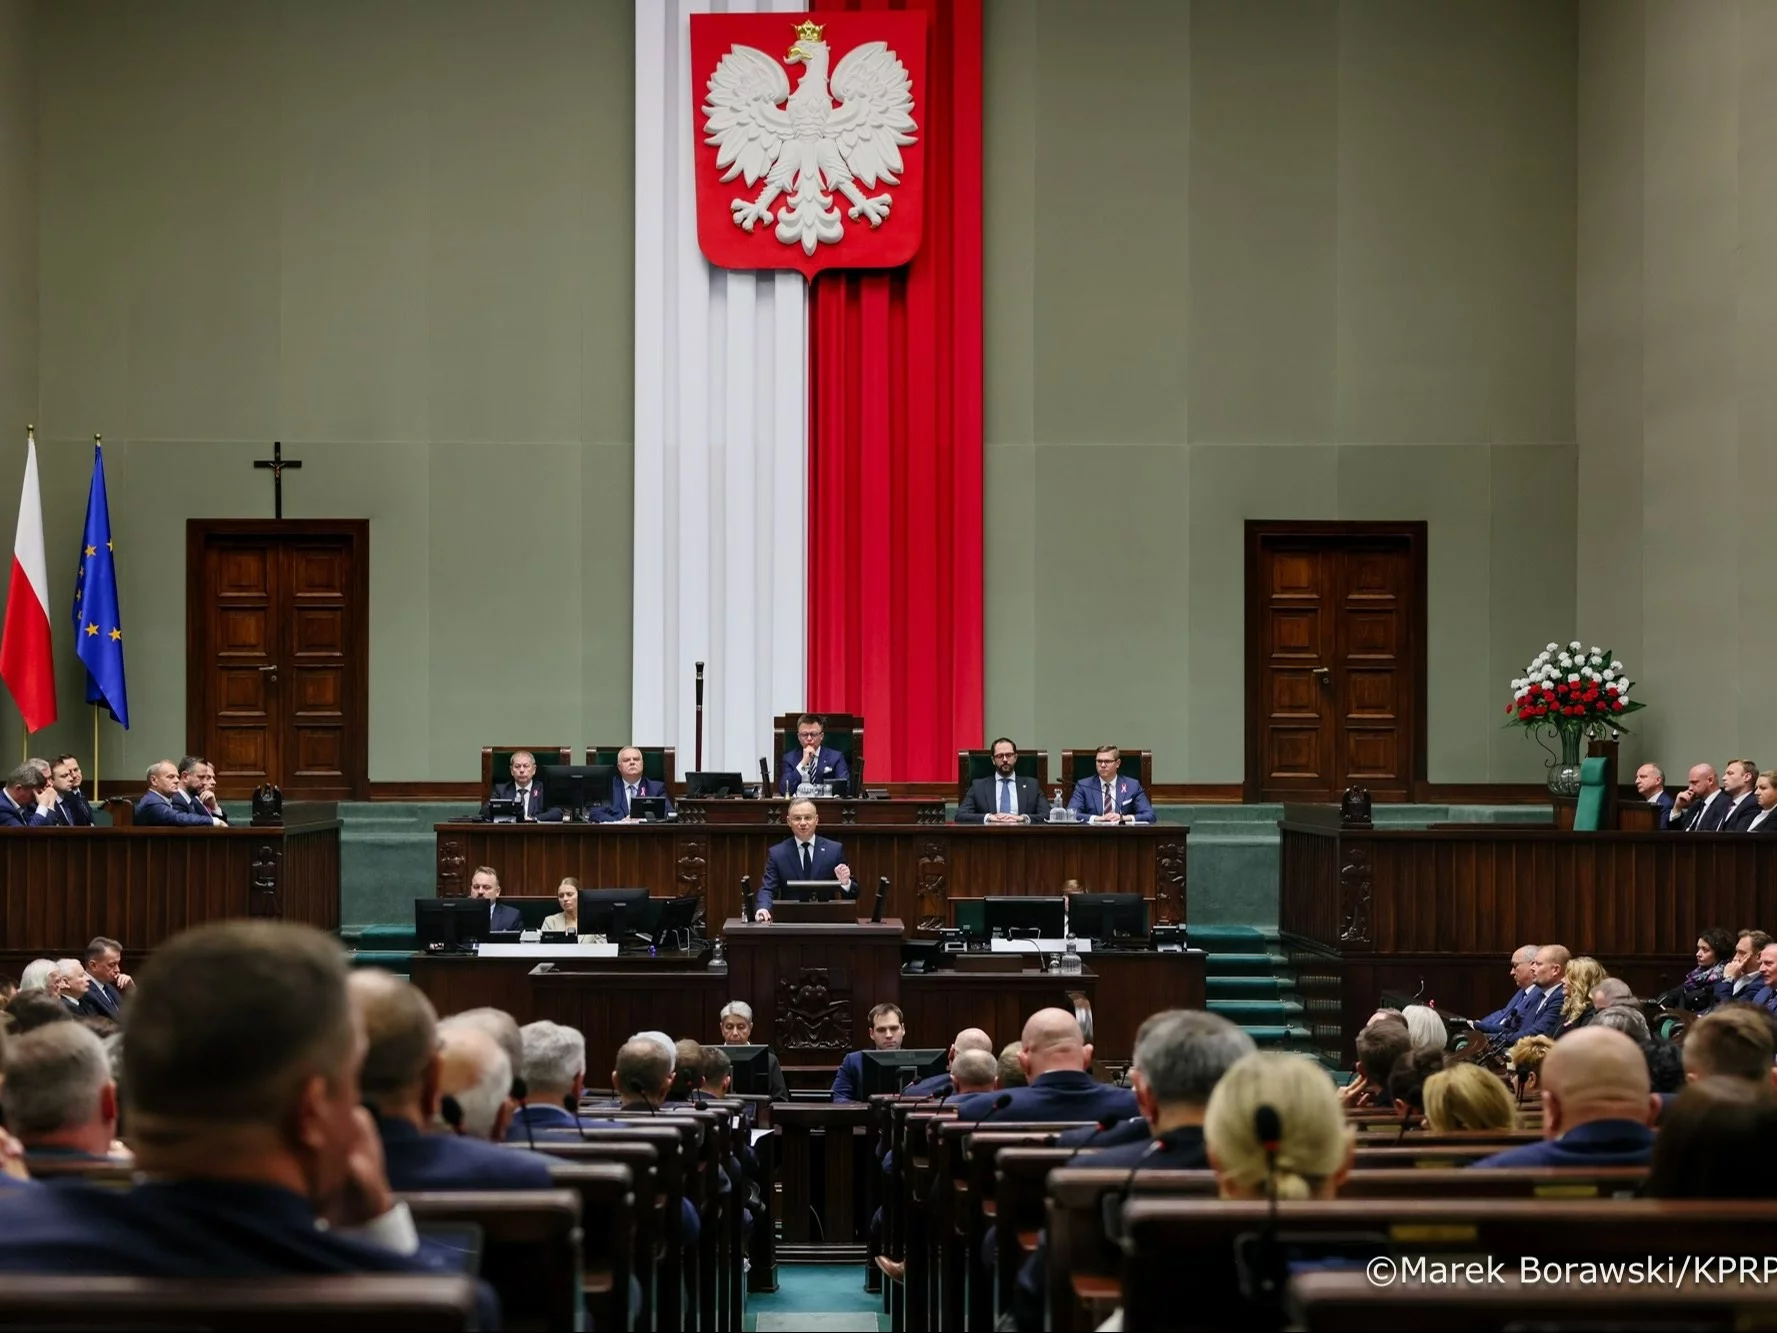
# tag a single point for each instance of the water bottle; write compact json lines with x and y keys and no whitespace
{"x":1059,"y":813}
{"x":1070,"y":958}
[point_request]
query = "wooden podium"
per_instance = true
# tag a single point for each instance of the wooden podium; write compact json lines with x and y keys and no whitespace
{"x":812,"y":987}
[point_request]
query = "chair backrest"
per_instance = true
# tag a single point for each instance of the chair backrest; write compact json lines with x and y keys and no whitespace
{"x":1078,"y":764}
{"x":403,"y":1302}
{"x":530,"y":1247}
{"x":975,"y":764}
{"x":660,"y":762}
{"x":496,"y":760}
{"x":608,"y":1208}
{"x":844,"y":732}
{"x":1588,"y":811}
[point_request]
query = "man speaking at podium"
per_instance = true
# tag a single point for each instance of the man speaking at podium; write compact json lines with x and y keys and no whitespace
{"x":802,"y":856}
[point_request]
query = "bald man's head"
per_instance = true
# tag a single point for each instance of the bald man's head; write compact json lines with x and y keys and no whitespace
{"x":477,"y":1072}
{"x":969,"y":1039}
{"x":1052,"y":1041}
{"x":1594,"y":1073}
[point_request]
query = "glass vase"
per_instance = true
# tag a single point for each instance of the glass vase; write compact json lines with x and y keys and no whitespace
{"x":1564,"y":773}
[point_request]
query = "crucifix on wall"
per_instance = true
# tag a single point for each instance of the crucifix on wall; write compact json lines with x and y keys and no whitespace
{"x":277,"y":463}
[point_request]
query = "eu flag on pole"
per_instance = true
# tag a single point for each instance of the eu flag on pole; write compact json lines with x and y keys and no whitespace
{"x":98,"y":624}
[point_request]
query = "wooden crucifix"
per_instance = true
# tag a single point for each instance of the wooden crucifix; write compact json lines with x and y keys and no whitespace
{"x":277,"y":463}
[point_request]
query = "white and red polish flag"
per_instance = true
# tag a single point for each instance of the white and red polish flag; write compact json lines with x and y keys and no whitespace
{"x":27,"y":664}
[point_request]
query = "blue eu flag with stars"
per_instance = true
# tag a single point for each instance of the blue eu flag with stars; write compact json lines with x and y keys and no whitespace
{"x":98,"y":624}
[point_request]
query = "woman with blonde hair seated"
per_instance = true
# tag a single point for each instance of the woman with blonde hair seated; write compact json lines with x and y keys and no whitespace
{"x":1464,"y":1097}
{"x":1525,"y":1060}
{"x":1289,"y":1099}
{"x":1426,"y":1027}
{"x":1582,"y":978}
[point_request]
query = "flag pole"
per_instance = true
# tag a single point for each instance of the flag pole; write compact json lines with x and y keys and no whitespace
{"x":95,"y":751}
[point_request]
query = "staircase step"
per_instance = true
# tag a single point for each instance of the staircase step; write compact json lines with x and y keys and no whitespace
{"x":1243,"y":964}
{"x":1249,"y":988}
{"x":1277,"y":1036}
{"x":1256,"y":1011}
{"x":1231,"y":939}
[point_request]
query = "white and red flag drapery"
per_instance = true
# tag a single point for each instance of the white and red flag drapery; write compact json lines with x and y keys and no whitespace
{"x":27,"y":664}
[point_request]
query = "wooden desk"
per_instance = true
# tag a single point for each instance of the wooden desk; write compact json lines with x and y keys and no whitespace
{"x":59,"y":887}
{"x":926,"y":864}
{"x":835,"y":812}
{"x":1365,"y":909}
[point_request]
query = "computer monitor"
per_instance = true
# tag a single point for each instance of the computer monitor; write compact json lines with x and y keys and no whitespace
{"x":811,"y":890}
{"x":676,"y":922}
{"x":713,"y":784}
{"x":891,"y":1071}
{"x":648,"y":807}
{"x":1045,"y":918}
{"x":450,"y":925}
{"x":576,"y":788}
{"x":1108,"y":916}
{"x":614,"y":913}
{"x":752,"y":1070}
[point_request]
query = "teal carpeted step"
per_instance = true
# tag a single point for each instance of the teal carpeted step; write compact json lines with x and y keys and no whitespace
{"x":1274,"y":1036}
{"x":1231,"y":939}
{"x":1242,"y":964}
{"x":1247,"y":1012}
{"x":1249,"y":988}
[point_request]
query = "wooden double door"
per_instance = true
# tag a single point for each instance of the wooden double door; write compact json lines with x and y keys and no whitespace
{"x":1335,"y":660}
{"x":277,"y":679}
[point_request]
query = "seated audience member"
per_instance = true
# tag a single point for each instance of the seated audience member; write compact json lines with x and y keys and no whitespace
{"x":1543,"y":1018}
{"x":1010,"y":1071}
{"x":643,"y":1073}
{"x":1131,"y":1129}
{"x":1624,"y":1019}
{"x":1700,"y":806}
{"x":27,"y":800}
{"x":400,"y":1082}
{"x":1597,"y":1105}
{"x":944,"y":1085}
{"x":72,"y":983}
{"x":35,"y":1008}
{"x":1057,"y":1060}
{"x":736,"y":1020}
{"x":1315,"y":1147}
{"x":1527,"y":992}
{"x":109,"y":983}
{"x":475,"y":1084}
{"x":196,"y":794}
{"x":37,"y":974}
{"x":241,"y":1086}
{"x":973,"y":1072}
{"x":1425,"y":1027}
{"x":1740,"y":979}
{"x":58,"y":1096}
{"x":1715,"y":1143}
{"x":1734,"y":1042}
{"x":1715,"y":950}
{"x":1766,"y":796}
{"x":72,"y":809}
{"x":523,"y":788}
{"x":1739,"y":781}
{"x":567,"y":895}
{"x":1581,"y":977}
{"x":162,"y":806}
{"x":502,"y":1028}
{"x":1109,"y":797}
{"x":718,"y":1072}
{"x":1526,"y":1061}
{"x":687,"y":1081}
{"x":1611,"y":993}
{"x":1765,"y":997}
{"x":805,"y":856}
{"x":887,"y":1033}
{"x":1650,"y":785}
{"x":1466,"y":1097}
{"x":554,"y":1074}
{"x":1406,"y":1084}
{"x":812,"y":761}
{"x":1665,"y":1069}
{"x":485,"y":883}
{"x":1002,"y":797}
{"x":1380,"y":1045}
{"x":627,"y":784}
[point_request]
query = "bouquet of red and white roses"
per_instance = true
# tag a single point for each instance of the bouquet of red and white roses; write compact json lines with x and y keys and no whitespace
{"x":1572,"y":687}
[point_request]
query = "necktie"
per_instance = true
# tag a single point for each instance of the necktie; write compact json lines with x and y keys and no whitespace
{"x":1005,"y":796}
{"x":1109,"y":806}
{"x":630,"y":800}
{"x":807,"y":860}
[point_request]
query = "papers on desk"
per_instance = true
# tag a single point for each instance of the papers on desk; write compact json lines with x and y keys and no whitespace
{"x":1039,"y":946}
{"x":757,"y":1135}
{"x":546,"y":950}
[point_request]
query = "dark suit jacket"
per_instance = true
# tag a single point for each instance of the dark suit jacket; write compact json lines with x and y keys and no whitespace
{"x":1663,"y":804}
{"x":101,"y":1001}
{"x":1499,"y":1019}
{"x":191,"y":805}
{"x":829,"y":766}
{"x":1769,"y":826}
{"x":938,"y":1085}
{"x":618,"y":806}
{"x":1749,"y":987}
{"x":1596,"y":1143}
{"x":72,"y":811}
{"x":13,"y":815}
{"x":503,"y":917}
{"x":1088,"y":798}
{"x":1701,"y":817}
{"x":1736,"y":820}
{"x":418,"y":1161}
{"x":534,"y":807}
{"x":156,"y":810}
{"x":848,"y":1082}
{"x":1133,"y":1130}
{"x":1064,"y":1094}
{"x":783,"y":863}
{"x":983,"y":799}
{"x":1543,"y":1019}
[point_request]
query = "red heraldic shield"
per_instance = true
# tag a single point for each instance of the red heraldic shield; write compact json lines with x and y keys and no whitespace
{"x":808,"y":152}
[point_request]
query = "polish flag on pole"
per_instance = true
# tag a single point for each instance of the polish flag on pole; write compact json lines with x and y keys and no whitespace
{"x":26,"y":663}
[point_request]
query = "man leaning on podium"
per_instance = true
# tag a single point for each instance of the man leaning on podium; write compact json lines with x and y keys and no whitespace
{"x":802,"y":856}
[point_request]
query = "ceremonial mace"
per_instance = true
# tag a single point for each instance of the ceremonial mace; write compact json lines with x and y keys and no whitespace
{"x":700,"y":717}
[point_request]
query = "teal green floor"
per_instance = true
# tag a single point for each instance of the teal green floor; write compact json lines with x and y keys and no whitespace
{"x":822,"y":1298}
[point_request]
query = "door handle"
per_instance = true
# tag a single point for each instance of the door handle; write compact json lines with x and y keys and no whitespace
{"x":272,"y":670}
{"x":1326,"y":677}
{"x":274,"y":667}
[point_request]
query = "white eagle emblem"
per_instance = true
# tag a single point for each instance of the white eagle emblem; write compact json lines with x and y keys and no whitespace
{"x":809,"y":146}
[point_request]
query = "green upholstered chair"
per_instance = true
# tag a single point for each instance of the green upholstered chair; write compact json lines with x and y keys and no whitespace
{"x":1589,"y":807}
{"x":496,"y":760}
{"x":660,"y":762}
{"x":1078,"y":764}
{"x":844,"y":733}
{"x":975,"y":764}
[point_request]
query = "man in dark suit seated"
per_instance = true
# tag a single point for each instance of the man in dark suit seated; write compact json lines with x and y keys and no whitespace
{"x":888,"y":1032}
{"x":944,"y":1085}
{"x":1508,"y":1017}
{"x":107,"y":979}
{"x":197,"y":788}
{"x":802,"y":856}
{"x":1543,"y":1018}
{"x":642,"y":1077}
{"x":627,"y":785}
{"x":1738,"y":780}
{"x":523,"y":788}
{"x":241,"y":1075}
{"x":1597,"y":1105}
{"x":58,"y":1096}
{"x":812,"y":761}
{"x":1650,"y":785}
{"x":1110,"y":798}
{"x":485,"y":883}
{"x":1004,"y":797}
{"x":554,"y":1075}
{"x":72,"y":809}
{"x":1740,"y":979}
{"x":163,"y":806}
{"x":1700,"y":806}
{"x":27,"y":800}
{"x":402,"y":1084}
{"x":1057,"y":1060}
